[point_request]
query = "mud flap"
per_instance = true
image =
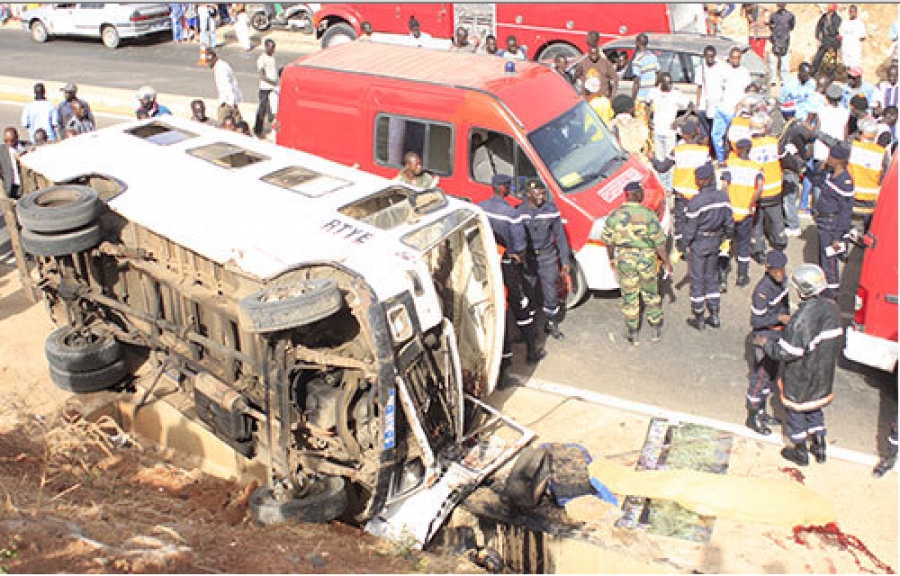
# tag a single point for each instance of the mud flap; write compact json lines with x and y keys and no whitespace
{"x":416,"y":518}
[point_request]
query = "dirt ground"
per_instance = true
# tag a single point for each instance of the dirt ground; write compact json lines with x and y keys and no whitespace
{"x":74,"y":500}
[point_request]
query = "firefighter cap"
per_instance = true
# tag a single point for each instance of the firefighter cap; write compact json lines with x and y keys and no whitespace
{"x":840,"y":151}
{"x":535,"y":184}
{"x":776,"y":259}
{"x":705,"y":171}
{"x":501,"y":180}
{"x":743,"y":144}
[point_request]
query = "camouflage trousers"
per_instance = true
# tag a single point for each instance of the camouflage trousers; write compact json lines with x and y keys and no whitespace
{"x":638,"y":279}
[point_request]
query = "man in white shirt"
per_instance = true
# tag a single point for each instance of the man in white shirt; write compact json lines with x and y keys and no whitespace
{"x":708,"y":76}
{"x":268,"y":81}
{"x":735,"y":79}
{"x":666,"y":102}
{"x":227,"y":87}
{"x":832,"y":120}
{"x":853,"y":33}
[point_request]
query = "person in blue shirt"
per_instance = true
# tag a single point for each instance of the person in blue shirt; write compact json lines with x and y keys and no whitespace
{"x":856,"y":85}
{"x":644,"y":69}
{"x":148,"y":104}
{"x":41,"y":114}
{"x":796,"y":97}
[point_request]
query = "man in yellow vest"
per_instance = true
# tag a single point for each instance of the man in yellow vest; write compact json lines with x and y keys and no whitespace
{"x":867,"y":166}
{"x":745,"y":184}
{"x":685,"y":159}
{"x":769,"y":218}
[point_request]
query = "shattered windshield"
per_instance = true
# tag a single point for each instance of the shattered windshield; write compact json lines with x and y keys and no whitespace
{"x":577,"y":148}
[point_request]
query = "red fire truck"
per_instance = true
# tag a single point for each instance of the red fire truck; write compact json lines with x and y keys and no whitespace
{"x":545,"y":30}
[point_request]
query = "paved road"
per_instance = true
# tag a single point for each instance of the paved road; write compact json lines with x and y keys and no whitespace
{"x":698,"y":373}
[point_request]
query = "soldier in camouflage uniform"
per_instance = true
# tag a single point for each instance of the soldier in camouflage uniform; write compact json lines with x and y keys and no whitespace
{"x":634,"y":240}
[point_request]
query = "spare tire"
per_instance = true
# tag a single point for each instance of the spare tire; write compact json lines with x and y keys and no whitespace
{"x":62,"y":243}
{"x":289,"y":305}
{"x":81,"y":349}
{"x":528,"y":480}
{"x":58,"y":208}
{"x":325,"y":500}
{"x":90,"y":381}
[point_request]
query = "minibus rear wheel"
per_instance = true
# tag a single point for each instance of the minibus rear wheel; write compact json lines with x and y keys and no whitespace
{"x":62,"y":243}
{"x":81,"y":349}
{"x":58,"y":208}
{"x":90,"y":381}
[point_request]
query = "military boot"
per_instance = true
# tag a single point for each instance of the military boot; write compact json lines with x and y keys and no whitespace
{"x":713,"y":320}
{"x":755,"y":421}
{"x":797,"y":454}
{"x":656,"y":332}
{"x":817,"y":447}
{"x":552,"y":329}
{"x":632,"y":335}
{"x":535,"y":353}
{"x":697,"y":321}
{"x":884,"y":466}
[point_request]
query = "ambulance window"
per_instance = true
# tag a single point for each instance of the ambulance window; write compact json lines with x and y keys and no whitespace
{"x":227,"y":155}
{"x":493,"y":153}
{"x":396,"y":135}
{"x":160,"y":134}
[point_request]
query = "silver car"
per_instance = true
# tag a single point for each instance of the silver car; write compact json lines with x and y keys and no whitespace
{"x":109,"y":22}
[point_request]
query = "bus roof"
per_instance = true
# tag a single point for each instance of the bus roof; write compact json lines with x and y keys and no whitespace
{"x":233,"y":198}
{"x":525,"y":92}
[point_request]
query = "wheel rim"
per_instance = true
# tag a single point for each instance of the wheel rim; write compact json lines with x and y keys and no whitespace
{"x":38,"y":32}
{"x":79,"y":340}
{"x":340,"y":39}
{"x":57,"y":198}
{"x":110,"y":38}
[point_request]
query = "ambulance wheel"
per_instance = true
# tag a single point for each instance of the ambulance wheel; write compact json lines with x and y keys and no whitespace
{"x":528,"y":480}
{"x":58,"y":208}
{"x":61,"y":244}
{"x":81,"y":349}
{"x":286,"y":306}
{"x":579,"y":285}
{"x":325,"y":500}
{"x":337,"y":34}
{"x":90,"y":381}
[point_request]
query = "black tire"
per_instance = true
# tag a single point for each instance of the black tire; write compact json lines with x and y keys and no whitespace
{"x":81,"y":349}
{"x":339,"y":33}
{"x":61,"y":244}
{"x":527,"y":481}
{"x":557,"y":48}
{"x":325,"y":501}
{"x":39,"y":32}
{"x":290,"y":305}
{"x":110,"y":36}
{"x":579,"y":285}
{"x":260,"y":21}
{"x":91,"y":381}
{"x":58,"y":208}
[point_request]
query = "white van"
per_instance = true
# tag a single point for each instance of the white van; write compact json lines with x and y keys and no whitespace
{"x":339,"y":326}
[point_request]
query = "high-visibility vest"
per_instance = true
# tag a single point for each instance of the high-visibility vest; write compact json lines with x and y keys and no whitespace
{"x":742,"y":187}
{"x":866,"y":161}
{"x":738,"y":129}
{"x":688,"y":157}
{"x":765,"y":153}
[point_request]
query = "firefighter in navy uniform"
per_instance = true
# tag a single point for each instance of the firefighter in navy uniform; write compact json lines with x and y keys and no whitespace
{"x":770,"y":311}
{"x":808,"y":347}
{"x":548,"y":251}
{"x":833,"y":211}
{"x":708,"y":221}
{"x":509,"y":232}
{"x":745,"y":180}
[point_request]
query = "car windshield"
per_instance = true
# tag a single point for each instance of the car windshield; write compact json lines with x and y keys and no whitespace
{"x":577,"y":148}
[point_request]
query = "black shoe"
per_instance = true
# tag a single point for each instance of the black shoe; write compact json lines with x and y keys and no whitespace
{"x":768,"y":419}
{"x":796,"y":454}
{"x":713,"y":320}
{"x":632,"y":336}
{"x":759,"y":257}
{"x":817,"y":447}
{"x":535,"y":353}
{"x":552,"y":329}
{"x":755,"y":422}
{"x":742,"y":280}
{"x":656,"y":332}
{"x":697,"y":321}
{"x":884,"y":466}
